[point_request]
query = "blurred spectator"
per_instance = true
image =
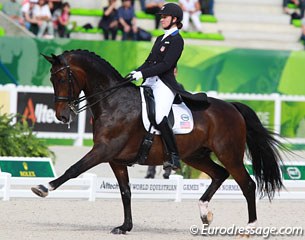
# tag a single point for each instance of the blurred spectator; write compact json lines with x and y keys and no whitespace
{"x":61,"y":18}
{"x":24,"y":2}
{"x":191,"y":10}
{"x":300,"y":4}
{"x":303,"y":32}
{"x":109,"y":21}
{"x":151,"y":172}
{"x":13,"y":9}
{"x":54,"y":5}
{"x":142,"y":5}
{"x":27,"y":12}
{"x":153,"y":7}
{"x":43,"y":16}
{"x":207,"y":6}
{"x":127,"y":21}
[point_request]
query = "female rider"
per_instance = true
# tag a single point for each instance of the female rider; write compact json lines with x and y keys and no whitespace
{"x":158,"y":73}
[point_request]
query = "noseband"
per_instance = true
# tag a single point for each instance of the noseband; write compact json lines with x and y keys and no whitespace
{"x":70,"y":99}
{"x":73,"y":100}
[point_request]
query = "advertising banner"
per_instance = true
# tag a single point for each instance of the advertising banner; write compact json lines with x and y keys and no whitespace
{"x":5,"y":102}
{"x":27,"y":167}
{"x":38,"y":110}
{"x":289,"y":171}
{"x":200,"y":68}
{"x":293,"y":119}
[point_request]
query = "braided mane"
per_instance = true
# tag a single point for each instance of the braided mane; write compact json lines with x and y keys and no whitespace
{"x":97,"y":58}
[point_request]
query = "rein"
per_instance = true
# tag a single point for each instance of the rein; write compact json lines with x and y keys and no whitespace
{"x":72,"y":101}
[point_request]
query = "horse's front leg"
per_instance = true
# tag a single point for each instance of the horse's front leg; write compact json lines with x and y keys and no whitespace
{"x":91,"y":159}
{"x":121,"y":174}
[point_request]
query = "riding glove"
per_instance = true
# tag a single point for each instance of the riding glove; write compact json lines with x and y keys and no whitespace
{"x":136,"y":75}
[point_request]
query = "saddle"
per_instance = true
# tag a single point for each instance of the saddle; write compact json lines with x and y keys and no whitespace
{"x":180,"y":117}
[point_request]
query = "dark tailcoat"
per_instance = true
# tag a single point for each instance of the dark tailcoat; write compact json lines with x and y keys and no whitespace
{"x":162,"y":61}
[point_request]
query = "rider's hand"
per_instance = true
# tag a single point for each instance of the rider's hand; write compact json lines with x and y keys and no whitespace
{"x":136,"y":75}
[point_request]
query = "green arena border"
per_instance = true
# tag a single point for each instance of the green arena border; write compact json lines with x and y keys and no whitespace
{"x":139,"y":14}
{"x":1,"y":6}
{"x":155,"y":33}
{"x":65,"y":142}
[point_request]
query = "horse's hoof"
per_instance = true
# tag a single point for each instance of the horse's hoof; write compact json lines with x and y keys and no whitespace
{"x":208,"y":218}
{"x":118,"y":230}
{"x":40,"y":191}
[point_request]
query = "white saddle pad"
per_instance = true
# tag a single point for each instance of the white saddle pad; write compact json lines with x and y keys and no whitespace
{"x":184,"y":122}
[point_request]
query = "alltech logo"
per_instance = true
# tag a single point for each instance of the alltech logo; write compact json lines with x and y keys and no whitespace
{"x":39,"y":114}
{"x":37,"y":109}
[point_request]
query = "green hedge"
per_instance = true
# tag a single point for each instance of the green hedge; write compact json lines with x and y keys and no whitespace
{"x":139,"y":14}
{"x":18,"y":140}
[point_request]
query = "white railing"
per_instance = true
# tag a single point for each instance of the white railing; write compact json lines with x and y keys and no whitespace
{"x":20,"y":187}
{"x":80,"y":135}
{"x":176,"y":188}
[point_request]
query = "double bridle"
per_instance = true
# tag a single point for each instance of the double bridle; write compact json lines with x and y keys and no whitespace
{"x":73,"y":100}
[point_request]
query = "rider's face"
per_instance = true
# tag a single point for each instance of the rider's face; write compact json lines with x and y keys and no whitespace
{"x":165,"y":21}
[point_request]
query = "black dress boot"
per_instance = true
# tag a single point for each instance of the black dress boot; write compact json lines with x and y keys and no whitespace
{"x":169,"y":141}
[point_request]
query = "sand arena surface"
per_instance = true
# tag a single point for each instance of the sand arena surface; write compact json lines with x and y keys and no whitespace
{"x":59,"y":219}
{"x":48,"y":219}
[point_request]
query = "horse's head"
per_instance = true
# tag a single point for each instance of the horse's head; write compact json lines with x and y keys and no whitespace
{"x":66,"y":86}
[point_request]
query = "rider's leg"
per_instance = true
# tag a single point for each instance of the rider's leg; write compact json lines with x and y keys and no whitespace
{"x":164,"y":98}
{"x":170,"y":145}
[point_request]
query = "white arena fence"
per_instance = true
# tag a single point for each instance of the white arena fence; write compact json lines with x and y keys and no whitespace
{"x":40,"y":99}
{"x":90,"y":187}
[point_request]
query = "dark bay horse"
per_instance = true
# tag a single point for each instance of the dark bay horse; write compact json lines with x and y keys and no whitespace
{"x":224,"y":129}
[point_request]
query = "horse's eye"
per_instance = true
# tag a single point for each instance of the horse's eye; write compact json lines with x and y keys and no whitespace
{"x":61,"y":80}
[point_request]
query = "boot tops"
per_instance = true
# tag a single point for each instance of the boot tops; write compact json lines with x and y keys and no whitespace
{"x":169,"y":140}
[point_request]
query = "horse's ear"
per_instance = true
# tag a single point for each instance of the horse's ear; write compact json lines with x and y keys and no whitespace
{"x":48,"y":58}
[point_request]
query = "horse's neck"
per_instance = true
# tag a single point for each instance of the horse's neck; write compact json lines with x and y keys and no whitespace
{"x":114,"y":100}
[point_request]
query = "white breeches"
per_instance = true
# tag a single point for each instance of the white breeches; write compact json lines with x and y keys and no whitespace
{"x":164,"y":97}
{"x":195,"y":20}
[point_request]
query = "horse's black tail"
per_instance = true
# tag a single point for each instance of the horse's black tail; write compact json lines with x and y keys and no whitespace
{"x":263,"y":150}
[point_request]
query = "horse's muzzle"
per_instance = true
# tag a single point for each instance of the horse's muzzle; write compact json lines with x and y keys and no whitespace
{"x":64,"y":115}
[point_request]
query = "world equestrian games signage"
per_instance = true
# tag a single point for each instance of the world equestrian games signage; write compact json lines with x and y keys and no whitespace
{"x":27,"y":167}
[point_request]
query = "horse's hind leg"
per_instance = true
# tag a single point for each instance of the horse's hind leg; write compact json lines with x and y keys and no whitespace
{"x":248,"y":187}
{"x":218,"y":175}
{"x":232,"y":160}
{"x":121,"y":174}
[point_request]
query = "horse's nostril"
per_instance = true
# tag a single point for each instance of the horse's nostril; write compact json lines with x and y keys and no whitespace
{"x":63,"y":119}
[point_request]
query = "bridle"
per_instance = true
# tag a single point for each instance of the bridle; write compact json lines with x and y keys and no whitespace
{"x":73,"y":100}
